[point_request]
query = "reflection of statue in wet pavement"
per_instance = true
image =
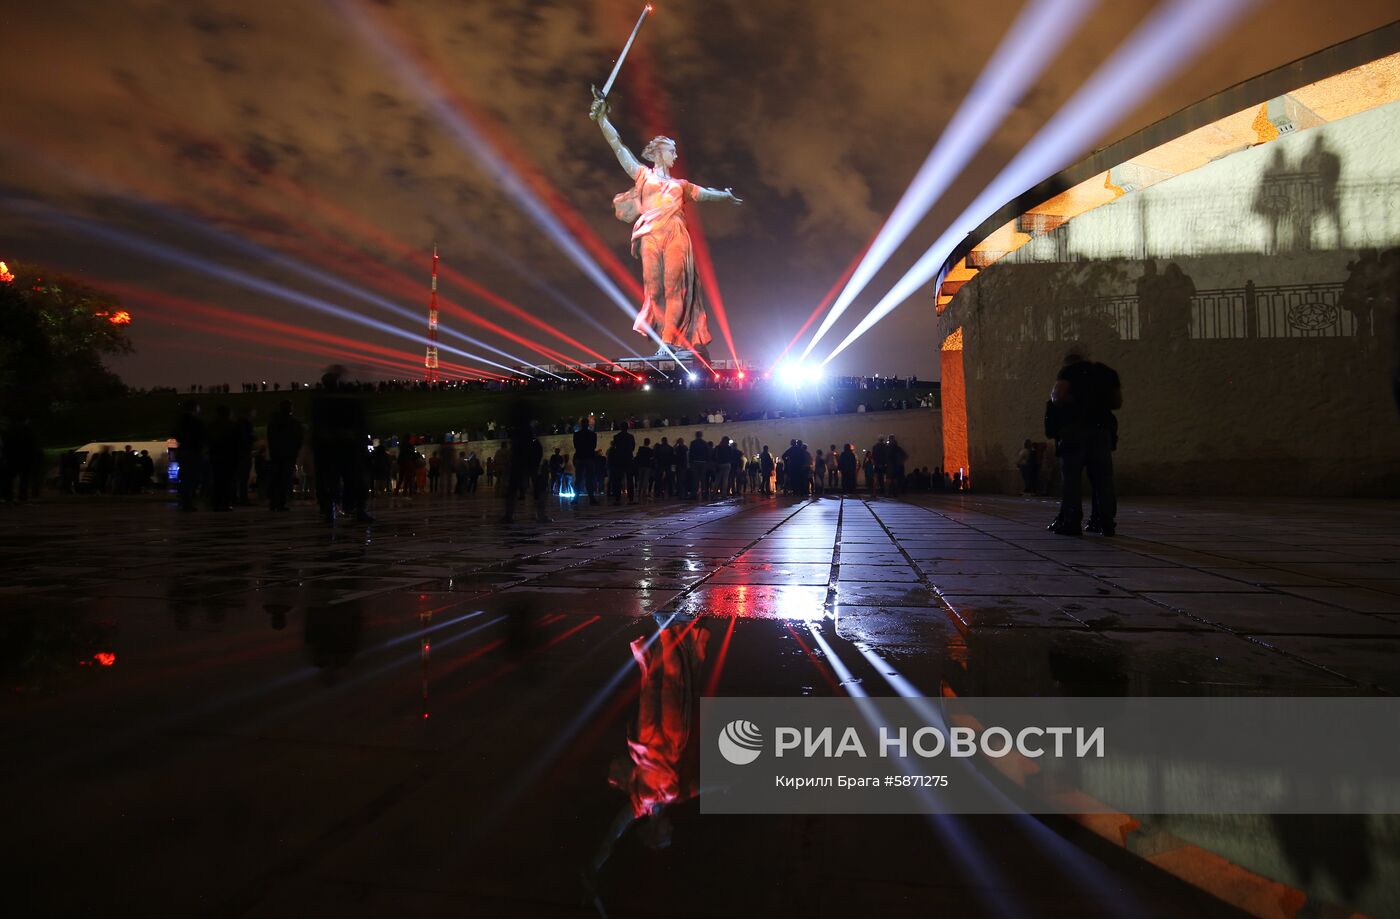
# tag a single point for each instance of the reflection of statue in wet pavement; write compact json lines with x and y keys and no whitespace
{"x":661,"y":768}
{"x":673,"y":307}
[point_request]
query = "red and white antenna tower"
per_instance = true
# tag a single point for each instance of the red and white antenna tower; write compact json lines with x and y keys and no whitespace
{"x":430,"y":358}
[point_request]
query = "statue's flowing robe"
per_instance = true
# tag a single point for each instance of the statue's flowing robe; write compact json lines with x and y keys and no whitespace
{"x":672,"y":307}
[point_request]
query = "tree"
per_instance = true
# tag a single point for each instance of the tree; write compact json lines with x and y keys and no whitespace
{"x":54,"y":334}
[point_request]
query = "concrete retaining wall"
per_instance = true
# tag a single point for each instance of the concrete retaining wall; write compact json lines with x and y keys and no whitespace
{"x":1249,"y":307}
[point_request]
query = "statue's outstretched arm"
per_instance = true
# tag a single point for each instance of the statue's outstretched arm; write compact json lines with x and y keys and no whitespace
{"x":701,"y":193}
{"x":598,"y":111}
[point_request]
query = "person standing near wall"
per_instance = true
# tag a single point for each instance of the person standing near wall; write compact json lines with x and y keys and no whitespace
{"x":285,"y":435}
{"x":620,"y":465}
{"x":736,"y":469}
{"x":245,"y":438}
{"x":800,"y":470}
{"x":700,"y":450}
{"x":665,"y":473}
{"x":585,"y":445}
{"x":381,"y":464}
{"x":523,"y":471}
{"x":723,"y":462}
{"x":880,"y":453}
{"x":847,"y":463}
{"x":339,"y":433}
{"x":897,"y":458}
{"x":766,"y":466}
{"x":646,"y":467}
{"x":223,"y":459}
{"x":1079,"y":417}
{"x":1026,"y":464}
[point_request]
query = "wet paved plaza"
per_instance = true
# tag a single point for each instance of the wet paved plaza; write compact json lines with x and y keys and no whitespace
{"x":251,"y":714}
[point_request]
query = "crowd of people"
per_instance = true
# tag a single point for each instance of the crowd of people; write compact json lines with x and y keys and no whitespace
{"x":127,"y":471}
{"x":681,"y":469}
{"x":218,"y":460}
{"x":223,"y":462}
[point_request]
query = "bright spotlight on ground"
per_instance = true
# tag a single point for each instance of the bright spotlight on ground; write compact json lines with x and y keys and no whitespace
{"x":646,"y":387}
{"x":690,"y":377}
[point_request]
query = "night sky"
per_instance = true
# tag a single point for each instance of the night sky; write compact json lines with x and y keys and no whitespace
{"x":330,"y":135}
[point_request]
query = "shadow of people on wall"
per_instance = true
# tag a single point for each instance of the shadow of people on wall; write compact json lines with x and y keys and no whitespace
{"x":1328,"y":847}
{"x":1271,"y":202}
{"x":1164,"y":304}
{"x":1370,"y":294}
{"x":1370,"y":289}
{"x":1323,"y":168}
{"x":1293,"y":198}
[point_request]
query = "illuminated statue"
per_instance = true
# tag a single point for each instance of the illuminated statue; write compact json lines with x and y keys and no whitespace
{"x":672,"y":307}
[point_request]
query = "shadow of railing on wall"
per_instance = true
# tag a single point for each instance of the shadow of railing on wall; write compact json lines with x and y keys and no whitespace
{"x":1248,"y":312}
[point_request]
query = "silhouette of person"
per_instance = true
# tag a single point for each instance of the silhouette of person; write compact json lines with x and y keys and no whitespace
{"x":665,"y":472}
{"x":898,"y":456}
{"x":847,"y":464}
{"x":21,"y":460}
{"x":1080,"y":418}
{"x":284,"y":439}
{"x":646,"y":465}
{"x":800,"y":469}
{"x":585,"y":445}
{"x":700,"y":451}
{"x":223,"y":459}
{"x":190,"y":438}
{"x":526,"y":458}
{"x":620,"y":465}
{"x":244,"y":438}
{"x":339,"y":442}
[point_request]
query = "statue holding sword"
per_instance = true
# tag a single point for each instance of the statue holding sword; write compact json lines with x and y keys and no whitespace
{"x":673,"y":307}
